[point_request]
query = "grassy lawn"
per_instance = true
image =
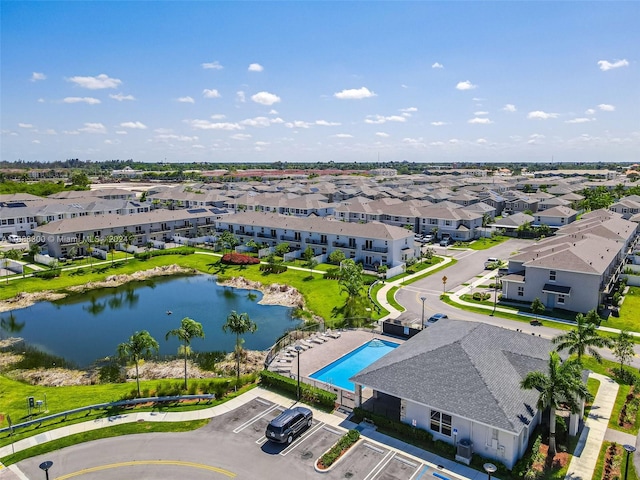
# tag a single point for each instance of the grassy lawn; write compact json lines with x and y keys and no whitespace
{"x":629,"y":318}
{"x":592,"y":385}
{"x":115,"y":431}
{"x":61,"y":399}
{"x":432,"y":272}
{"x":621,"y":461}
{"x":374,"y":294}
{"x":391,"y":298}
{"x":484,"y":243}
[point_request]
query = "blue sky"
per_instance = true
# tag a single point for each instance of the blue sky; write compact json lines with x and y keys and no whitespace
{"x":312,"y":81}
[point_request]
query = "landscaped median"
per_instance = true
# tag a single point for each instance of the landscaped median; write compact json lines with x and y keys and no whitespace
{"x":338,"y":451}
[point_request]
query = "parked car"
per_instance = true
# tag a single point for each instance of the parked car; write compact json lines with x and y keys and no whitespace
{"x":14,"y":238}
{"x":428,"y":238}
{"x":289,"y":424}
{"x":445,"y":242}
{"x":491,"y":262}
{"x":438,"y":316}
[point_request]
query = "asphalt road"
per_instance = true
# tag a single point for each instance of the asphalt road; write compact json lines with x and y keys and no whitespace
{"x":471,"y":264}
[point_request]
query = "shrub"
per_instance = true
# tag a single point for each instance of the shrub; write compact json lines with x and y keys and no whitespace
{"x":273,"y":268}
{"x":347,"y":440}
{"x":48,"y":274}
{"x":239,"y":259}
{"x":170,"y":251}
{"x":313,"y":394}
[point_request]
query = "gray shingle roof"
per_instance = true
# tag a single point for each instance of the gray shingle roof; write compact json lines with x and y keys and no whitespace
{"x":468,"y":369}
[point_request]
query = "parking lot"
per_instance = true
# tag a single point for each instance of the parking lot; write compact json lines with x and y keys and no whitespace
{"x":233,"y":445}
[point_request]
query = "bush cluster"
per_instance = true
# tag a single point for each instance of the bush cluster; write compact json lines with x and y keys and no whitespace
{"x":309,"y":393}
{"x":347,"y":440}
{"x":171,"y":251}
{"x":48,"y":274}
{"x":273,"y":268}
{"x":478,"y":296}
{"x":239,"y":259}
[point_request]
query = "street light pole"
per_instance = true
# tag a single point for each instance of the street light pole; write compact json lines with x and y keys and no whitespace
{"x":489,"y":468}
{"x":46,"y":466}
{"x":495,"y":296}
{"x":630,"y":449}
{"x":298,"y":349}
{"x":423,"y":299}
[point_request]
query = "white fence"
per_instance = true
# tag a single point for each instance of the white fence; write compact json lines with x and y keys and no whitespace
{"x":397,"y":270}
{"x":44,"y":259}
{"x":12,"y":265}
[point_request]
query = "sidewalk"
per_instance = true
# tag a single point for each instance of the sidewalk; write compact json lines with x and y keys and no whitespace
{"x":587,"y":451}
{"x":336,"y":420}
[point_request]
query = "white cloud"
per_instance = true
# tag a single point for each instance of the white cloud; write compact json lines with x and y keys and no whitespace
{"x":298,"y":124}
{"x":409,"y":110}
{"x":324,"y":123}
{"x":93,"y":128}
{"x":120,"y":97}
{"x":413,"y":141}
{"x":378,"y":119}
{"x":207,"y":125}
{"x":590,"y":111}
{"x":437,"y":65}
{"x":579,"y":120}
{"x":482,"y":141}
{"x":382,"y":134}
{"x":198,"y":146}
{"x":257,"y":122}
{"x":536,"y":136}
{"x":466,"y":85}
{"x":436,"y":144}
{"x":25,"y":125}
{"x":342,"y":135}
{"x":509,"y":107}
{"x":605,"y":65}
{"x":262,"y":144}
{"x":35,"y":76}
{"x":89,"y":100}
{"x":354,"y":94}
{"x":480,"y":121}
{"x":439,"y":123}
{"x":265,"y":98}
{"x":255,"y":67}
{"x":186,"y":100}
{"x":240,"y":96}
{"x":539,"y":114}
{"x":454,"y":141}
{"x":96,"y":83}
{"x":212,"y":66}
{"x":277,"y":120}
{"x":606,"y":108}
{"x":49,"y":131}
{"x":41,"y":100}
{"x":210,"y":93}
{"x":218,"y":116}
{"x":480,"y":113}
{"x":273,"y":112}
{"x":122,"y":132}
{"x":137,"y":125}
{"x":71,"y":132}
{"x":35,"y":141}
{"x":179,"y":138}
{"x":241,"y":136}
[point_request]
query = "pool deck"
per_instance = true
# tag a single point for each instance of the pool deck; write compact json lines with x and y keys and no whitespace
{"x":321,"y":355}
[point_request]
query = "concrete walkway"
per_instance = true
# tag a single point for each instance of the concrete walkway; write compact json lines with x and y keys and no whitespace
{"x":593,"y":434}
{"x":459,"y":471}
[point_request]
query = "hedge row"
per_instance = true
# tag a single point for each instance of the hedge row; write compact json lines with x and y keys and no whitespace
{"x":346,"y":442}
{"x":158,"y":253}
{"x":309,"y":393}
{"x":48,"y":274}
{"x":239,"y":259}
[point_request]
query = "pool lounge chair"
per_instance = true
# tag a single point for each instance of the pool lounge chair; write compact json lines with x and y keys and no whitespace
{"x":317,"y":340}
{"x":333,"y":334}
{"x":307,"y":343}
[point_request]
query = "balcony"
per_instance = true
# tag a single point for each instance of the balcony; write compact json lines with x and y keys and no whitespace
{"x":288,"y":238}
{"x":344,"y":245}
{"x":266,"y":235}
{"x":376,"y":249}
{"x":315,"y":241}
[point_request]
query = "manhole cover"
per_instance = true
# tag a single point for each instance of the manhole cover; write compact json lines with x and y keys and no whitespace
{"x":306,"y":455}
{"x":348,"y":475}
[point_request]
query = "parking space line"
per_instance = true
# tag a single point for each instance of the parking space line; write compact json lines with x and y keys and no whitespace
{"x":374,"y":448}
{"x":302,"y":438}
{"x":407,"y":462}
{"x":263,"y":402}
{"x":381,"y":464}
{"x":422,"y":472}
{"x":337,"y":432}
{"x":418,"y":470}
{"x":255,"y":418}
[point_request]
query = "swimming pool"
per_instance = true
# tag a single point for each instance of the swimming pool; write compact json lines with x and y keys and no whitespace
{"x":338,"y":373}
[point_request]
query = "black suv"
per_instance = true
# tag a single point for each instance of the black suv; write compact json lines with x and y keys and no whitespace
{"x":288,"y":424}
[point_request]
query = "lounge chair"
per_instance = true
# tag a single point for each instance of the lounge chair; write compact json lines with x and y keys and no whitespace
{"x":317,"y":340}
{"x":307,"y":343}
{"x":333,"y":334}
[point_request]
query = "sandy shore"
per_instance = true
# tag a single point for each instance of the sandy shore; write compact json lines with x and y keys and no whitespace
{"x":274,"y":294}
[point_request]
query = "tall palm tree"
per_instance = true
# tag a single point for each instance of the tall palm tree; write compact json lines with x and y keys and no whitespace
{"x":561,"y":384}
{"x":189,"y":329}
{"x":239,"y":324}
{"x":140,"y":345}
{"x":582,"y":339}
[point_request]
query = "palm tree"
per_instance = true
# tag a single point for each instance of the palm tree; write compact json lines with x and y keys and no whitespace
{"x":584,"y":338}
{"x":140,"y":345}
{"x":189,"y":329}
{"x":561,"y":384}
{"x":128,"y":240}
{"x":239,"y":324}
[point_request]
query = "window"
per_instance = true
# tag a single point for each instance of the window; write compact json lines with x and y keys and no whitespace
{"x":561,"y":299}
{"x":441,"y":422}
{"x":552,"y":275}
{"x":521,"y":291}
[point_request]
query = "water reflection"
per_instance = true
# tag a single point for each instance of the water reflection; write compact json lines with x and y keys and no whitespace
{"x":88,"y":326}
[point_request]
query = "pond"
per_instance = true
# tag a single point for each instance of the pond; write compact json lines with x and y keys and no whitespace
{"x":87,"y":327}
